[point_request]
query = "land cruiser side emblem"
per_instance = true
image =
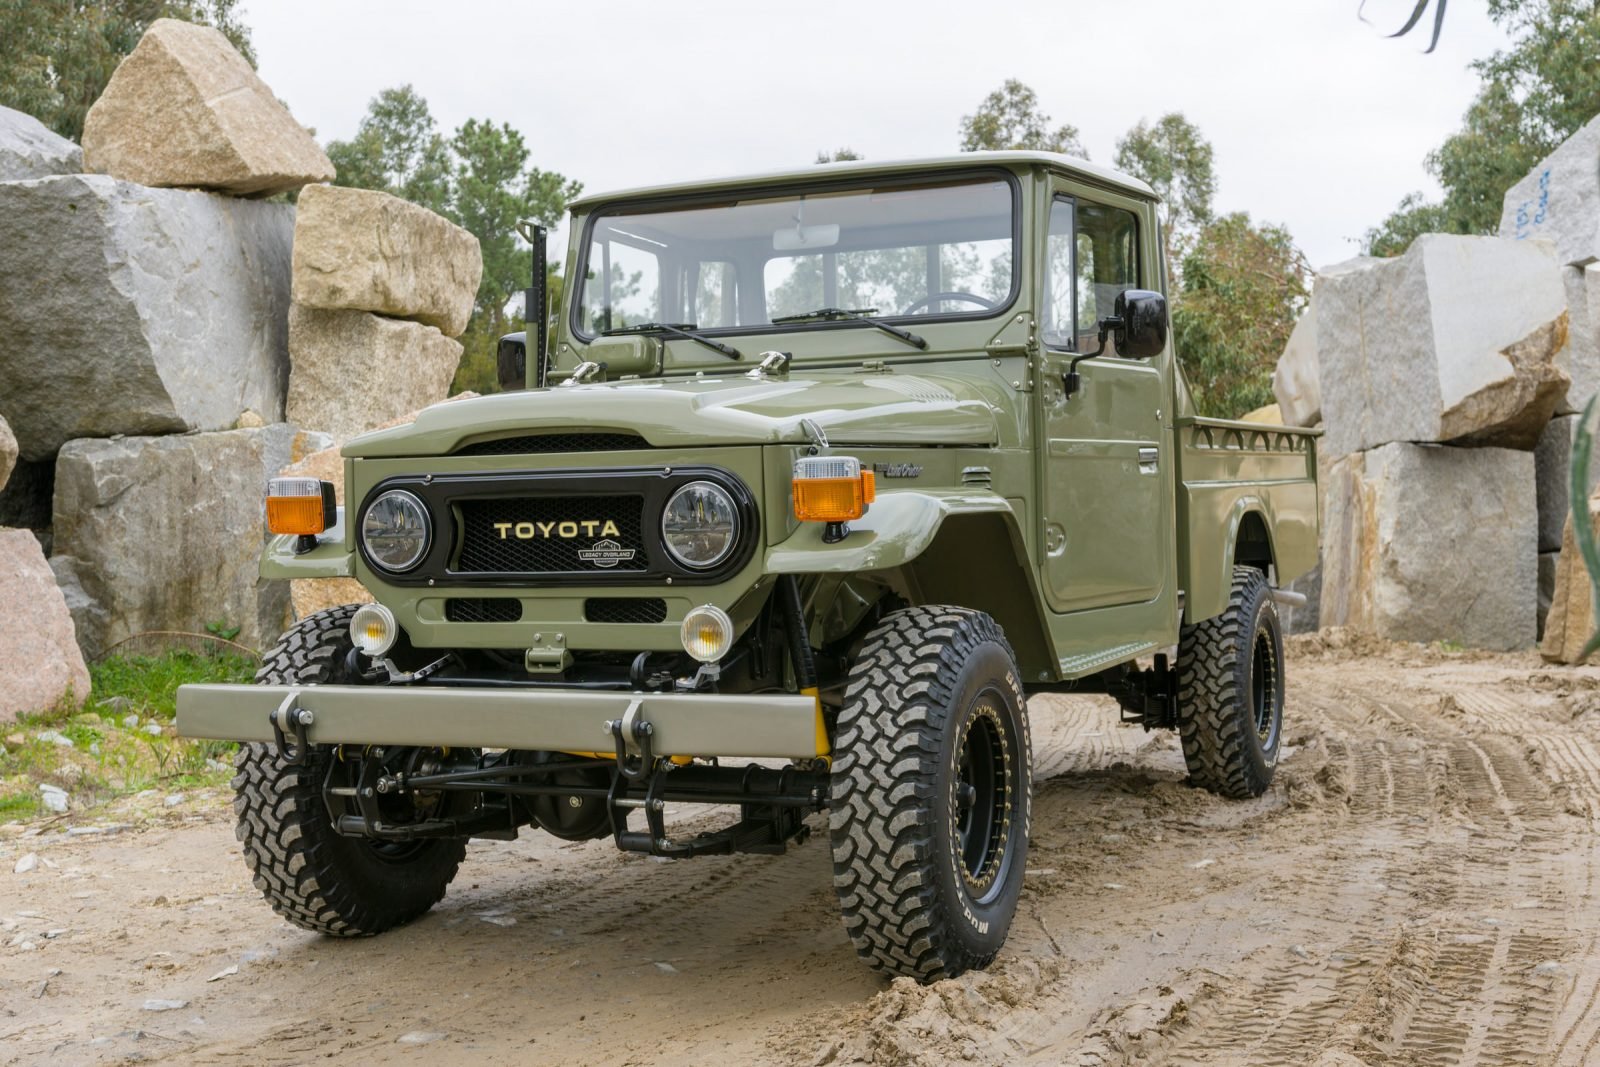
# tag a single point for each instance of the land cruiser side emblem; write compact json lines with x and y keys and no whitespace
{"x":606,"y":553}
{"x":897,"y":470}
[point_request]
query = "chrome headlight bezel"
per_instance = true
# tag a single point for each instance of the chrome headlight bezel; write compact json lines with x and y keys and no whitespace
{"x":406,"y":500}
{"x":726,"y":501}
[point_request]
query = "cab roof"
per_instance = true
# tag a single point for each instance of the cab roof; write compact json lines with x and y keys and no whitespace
{"x":1069,"y":165}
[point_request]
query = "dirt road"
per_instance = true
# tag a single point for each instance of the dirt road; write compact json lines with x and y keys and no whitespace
{"x":1419,"y":887}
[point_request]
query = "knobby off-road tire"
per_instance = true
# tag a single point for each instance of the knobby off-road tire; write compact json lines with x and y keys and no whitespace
{"x":930,"y":793}
{"x":1230,"y":691}
{"x":312,"y":876}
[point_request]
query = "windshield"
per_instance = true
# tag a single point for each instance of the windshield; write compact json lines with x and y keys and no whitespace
{"x":894,"y":250}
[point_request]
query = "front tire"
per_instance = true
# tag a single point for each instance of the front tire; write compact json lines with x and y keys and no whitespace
{"x":314,"y":877}
{"x":1230,"y":691}
{"x":930,"y":793}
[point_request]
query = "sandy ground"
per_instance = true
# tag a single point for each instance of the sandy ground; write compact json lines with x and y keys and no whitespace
{"x":1419,"y":887}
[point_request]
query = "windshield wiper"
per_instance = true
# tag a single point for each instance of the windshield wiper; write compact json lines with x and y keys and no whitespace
{"x":858,"y":315}
{"x":676,"y":329}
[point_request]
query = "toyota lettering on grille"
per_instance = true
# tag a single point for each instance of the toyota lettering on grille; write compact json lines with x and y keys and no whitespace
{"x":567,"y":531}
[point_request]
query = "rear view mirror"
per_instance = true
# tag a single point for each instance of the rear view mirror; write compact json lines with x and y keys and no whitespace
{"x":799,"y":238}
{"x":511,"y":362}
{"x":1141,"y":332}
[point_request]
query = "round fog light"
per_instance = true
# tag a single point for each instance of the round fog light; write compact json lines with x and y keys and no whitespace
{"x":373,"y":630}
{"x":707,"y":633}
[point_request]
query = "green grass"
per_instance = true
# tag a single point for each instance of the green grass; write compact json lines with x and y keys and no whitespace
{"x":112,"y":754}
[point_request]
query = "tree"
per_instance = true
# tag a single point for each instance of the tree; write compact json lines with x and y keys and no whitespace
{"x":1414,"y":217}
{"x":1175,"y":159}
{"x":1243,"y":287}
{"x":841,"y":156}
{"x":1010,"y":117}
{"x":397,"y":148}
{"x":56,"y":56}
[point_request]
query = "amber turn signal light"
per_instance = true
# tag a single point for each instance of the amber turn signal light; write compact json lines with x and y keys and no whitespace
{"x":832,"y":489}
{"x":301,"y":506}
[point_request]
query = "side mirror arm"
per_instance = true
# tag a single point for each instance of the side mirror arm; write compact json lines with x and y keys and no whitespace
{"x":1072,"y":381}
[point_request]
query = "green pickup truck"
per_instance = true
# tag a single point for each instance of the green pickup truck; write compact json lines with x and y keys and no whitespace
{"x":816,"y":478}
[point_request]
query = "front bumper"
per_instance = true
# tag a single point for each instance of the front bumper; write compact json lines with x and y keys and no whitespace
{"x":555,"y":720}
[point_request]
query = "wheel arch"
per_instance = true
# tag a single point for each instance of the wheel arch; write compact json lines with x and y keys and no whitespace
{"x":1247,"y":539}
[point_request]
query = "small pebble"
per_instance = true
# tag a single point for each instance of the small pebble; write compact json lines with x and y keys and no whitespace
{"x":51,"y":935}
{"x":173,"y":800}
{"x":1115,"y":885}
{"x":165,"y":1005}
{"x":54,"y":798}
{"x":131,"y":722}
{"x":153,"y":729}
{"x":419,"y":1037}
{"x":224,"y":973}
{"x":54,"y":737}
{"x":1299,"y":950}
{"x":1201,"y":864}
{"x":666,"y":968}
{"x":94,"y":748}
{"x":26,"y":863}
{"x":1547,"y":969}
{"x":499,"y":920}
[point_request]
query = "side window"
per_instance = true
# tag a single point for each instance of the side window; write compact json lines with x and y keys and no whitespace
{"x":1108,"y":263}
{"x":1091,"y":255}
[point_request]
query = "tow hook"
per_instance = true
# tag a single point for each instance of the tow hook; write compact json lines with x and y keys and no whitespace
{"x":294,"y":720}
{"x":632,"y":730}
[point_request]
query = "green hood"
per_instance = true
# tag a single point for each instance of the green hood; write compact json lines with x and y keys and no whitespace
{"x":850,"y":408}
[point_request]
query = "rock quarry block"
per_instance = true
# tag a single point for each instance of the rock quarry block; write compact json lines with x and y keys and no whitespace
{"x":1552,"y":468}
{"x":1582,"y":359}
{"x":1559,"y":199}
{"x":354,"y":371}
{"x":8,"y":452}
{"x":1398,"y":523}
{"x":1297,"y":379}
{"x":185,"y":109}
{"x":29,"y":149}
{"x":40,"y":664}
{"x":1570,"y":621}
{"x":165,"y":533}
{"x":1461,"y":339}
{"x":145,"y":311}
{"x":362,"y":250}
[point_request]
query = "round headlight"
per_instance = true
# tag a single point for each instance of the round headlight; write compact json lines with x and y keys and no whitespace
{"x":395,"y":531}
{"x":707,"y":633}
{"x":700,"y":525}
{"x":373,"y":629}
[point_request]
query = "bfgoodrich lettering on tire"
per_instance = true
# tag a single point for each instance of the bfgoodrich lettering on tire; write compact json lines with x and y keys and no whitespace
{"x":312,"y":876}
{"x":930,"y":793}
{"x":1230,"y":691}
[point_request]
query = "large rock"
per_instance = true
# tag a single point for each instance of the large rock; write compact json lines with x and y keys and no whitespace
{"x":354,"y":371}
{"x":1570,"y":621}
{"x":40,"y":664}
{"x":368,"y":251}
{"x":8,"y":452}
{"x":1297,"y":379}
{"x":138,"y":311}
{"x":1582,"y":360}
{"x":1552,"y":465}
{"x":28,"y":149}
{"x":1460,"y":339}
{"x":165,"y":533}
{"x":185,"y":109}
{"x":1431,"y":543}
{"x":1559,"y":200}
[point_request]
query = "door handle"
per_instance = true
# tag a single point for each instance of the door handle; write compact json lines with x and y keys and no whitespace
{"x":1149,"y":459}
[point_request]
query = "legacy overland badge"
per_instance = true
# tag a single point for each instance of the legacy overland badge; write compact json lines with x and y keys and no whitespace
{"x":606,"y":553}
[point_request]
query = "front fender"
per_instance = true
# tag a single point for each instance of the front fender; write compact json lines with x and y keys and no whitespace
{"x":897,"y":528}
{"x":332,"y":558}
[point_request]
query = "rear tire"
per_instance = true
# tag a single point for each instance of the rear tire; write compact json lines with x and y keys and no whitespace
{"x":314,"y":877}
{"x":930,"y":793}
{"x":1230,"y":691}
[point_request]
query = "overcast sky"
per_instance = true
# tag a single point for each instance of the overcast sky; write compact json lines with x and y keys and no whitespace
{"x":1318,"y":121}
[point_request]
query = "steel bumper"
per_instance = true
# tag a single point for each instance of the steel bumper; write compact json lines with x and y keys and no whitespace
{"x":559,"y":720}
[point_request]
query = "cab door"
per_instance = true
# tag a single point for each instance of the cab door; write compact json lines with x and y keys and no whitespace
{"x":1106,"y":471}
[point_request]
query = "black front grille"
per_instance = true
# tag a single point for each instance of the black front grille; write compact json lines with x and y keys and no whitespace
{"x":625,"y":609}
{"x":483,"y":609}
{"x":538,"y":444}
{"x":552,"y":535}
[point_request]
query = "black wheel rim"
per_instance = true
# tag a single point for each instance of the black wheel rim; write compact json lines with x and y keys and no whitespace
{"x":984,"y":797}
{"x":1264,"y":680}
